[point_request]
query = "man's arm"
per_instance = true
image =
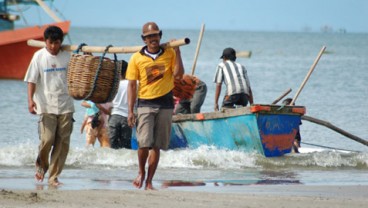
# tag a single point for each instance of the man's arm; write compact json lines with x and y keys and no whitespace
{"x":179,"y":67}
{"x":217,"y":95}
{"x":102,"y":108}
{"x":132,"y":96}
{"x":31,"y":104}
{"x":86,"y":104}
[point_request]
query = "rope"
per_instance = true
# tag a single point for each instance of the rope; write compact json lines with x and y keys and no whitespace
{"x":79,"y":47}
{"x":98,"y":72}
{"x":116,"y":79}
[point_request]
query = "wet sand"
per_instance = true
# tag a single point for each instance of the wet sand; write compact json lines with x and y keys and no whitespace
{"x":192,"y":195}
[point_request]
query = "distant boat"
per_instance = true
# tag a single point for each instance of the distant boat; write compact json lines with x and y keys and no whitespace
{"x":268,"y":130}
{"x":15,"y":54}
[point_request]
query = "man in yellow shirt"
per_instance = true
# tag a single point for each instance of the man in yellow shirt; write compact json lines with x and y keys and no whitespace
{"x":155,"y":68}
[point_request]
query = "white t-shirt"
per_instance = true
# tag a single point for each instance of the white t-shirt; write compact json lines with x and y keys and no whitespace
{"x":120,"y":102}
{"x":49,"y":73}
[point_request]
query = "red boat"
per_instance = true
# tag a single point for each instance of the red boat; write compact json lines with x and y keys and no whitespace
{"x":15,"y":54}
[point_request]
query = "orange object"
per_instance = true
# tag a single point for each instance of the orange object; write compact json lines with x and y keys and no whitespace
{"x":300,"y":110}
{"x":199,"y":116}
{"x":258,"y":108}
{"x":15,"y":54}
{"x":184,"y":88}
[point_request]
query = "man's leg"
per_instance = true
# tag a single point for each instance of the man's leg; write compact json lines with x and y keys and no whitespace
{"x":61,"y":147}
{"x":142,"y":159}
{"x":114,"y":131}
{"x":154,"y":158}
{"x":145,"y":125}
{"x":46,"y":128}
{"x":198,"y":98}
{"x":126,"y":133}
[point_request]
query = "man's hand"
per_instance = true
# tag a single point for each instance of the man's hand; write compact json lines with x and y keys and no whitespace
{"x":131,"y":120}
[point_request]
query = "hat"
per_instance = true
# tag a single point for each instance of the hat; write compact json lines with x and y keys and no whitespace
{"x":228,"y":53}
{"x":287,"y":101}
{"x":150,"y":28}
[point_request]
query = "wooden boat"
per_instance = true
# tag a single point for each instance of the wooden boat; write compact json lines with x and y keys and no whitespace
{"x":15,"y":54}
{"x":265,"y":129}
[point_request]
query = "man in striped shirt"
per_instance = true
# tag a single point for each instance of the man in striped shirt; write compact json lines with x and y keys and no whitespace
{"x":234,"y":75}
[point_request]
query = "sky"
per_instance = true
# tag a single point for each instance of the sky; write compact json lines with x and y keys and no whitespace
{"x":245,"y":15}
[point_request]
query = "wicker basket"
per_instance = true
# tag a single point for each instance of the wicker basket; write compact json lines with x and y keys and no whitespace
{"x":92,"y":77}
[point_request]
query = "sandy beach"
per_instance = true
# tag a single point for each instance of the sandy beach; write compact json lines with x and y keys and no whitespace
{"x":253,"y":196}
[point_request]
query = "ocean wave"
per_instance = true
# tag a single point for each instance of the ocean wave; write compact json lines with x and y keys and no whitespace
{"x":204,"y":157}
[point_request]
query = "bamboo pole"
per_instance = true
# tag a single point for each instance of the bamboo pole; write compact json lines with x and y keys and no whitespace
{"x":197,"y":49}
{"x":48,"y":10}
{"x":329,"y":125}
{"x":101,"y":49}
{"x":282,"y":96}
{"x":308,"y":75}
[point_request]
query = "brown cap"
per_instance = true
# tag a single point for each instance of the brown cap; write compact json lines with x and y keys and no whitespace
{"x":150,"y":28}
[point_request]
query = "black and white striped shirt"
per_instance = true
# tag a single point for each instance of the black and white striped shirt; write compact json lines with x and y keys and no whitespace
{"x":235,"y":77}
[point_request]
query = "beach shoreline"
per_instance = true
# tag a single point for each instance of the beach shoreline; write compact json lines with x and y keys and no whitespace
{"x":271,"y":196}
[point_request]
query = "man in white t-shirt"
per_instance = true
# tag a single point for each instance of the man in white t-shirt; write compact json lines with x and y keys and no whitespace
{"x":120,"y":133}
{"x":48,"y":97}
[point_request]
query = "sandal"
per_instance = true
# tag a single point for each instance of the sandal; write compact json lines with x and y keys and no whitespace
{"x":39,"y":174}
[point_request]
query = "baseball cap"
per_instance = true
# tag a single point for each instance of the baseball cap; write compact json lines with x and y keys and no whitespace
{"x":228,"y":53}
{"x":150,"y":28}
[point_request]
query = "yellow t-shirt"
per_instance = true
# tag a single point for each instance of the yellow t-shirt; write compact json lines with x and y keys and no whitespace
{"x":155,"y":76}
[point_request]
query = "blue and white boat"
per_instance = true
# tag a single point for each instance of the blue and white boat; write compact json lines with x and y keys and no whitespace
{"x":265,"y":129}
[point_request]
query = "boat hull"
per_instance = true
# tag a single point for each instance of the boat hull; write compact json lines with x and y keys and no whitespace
{"x":15,"y":54}
{"x":263,"y":129}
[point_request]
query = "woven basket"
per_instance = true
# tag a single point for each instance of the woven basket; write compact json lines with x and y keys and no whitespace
{"x":92,"y":77}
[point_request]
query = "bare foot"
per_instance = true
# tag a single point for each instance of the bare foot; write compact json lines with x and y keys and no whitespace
{"x":149,"y":186}
{"x":138,"y":181}
{"x":55,"y":183}
{"x":40,"y":174}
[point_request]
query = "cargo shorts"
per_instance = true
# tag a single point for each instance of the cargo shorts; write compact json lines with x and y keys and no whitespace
{"x":154,"y":127}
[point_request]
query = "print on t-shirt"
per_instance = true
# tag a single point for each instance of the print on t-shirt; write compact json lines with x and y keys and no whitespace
{"x":154,"y":73}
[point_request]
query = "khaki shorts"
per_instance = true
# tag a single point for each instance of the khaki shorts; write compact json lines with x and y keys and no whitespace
{"x":154,"y":127}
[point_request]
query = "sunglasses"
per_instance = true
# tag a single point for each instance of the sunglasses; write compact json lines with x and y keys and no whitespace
{"x":151,"y":36}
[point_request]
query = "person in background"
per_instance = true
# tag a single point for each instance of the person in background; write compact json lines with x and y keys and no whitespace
{"x":298,"y":138}
{"x":234,"y":75}
{"x":95,"y":123}
{"x":155,"y":68}
{"x":120,"y":132}
{"x":48,"y":97}
{"x":194,"y":104}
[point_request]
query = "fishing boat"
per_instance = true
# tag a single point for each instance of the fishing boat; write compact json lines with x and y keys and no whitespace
{"x":268,"y":130}
{"x":15,"y":54}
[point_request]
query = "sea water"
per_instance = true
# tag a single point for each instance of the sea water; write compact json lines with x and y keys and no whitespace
{"x":336,"y":92}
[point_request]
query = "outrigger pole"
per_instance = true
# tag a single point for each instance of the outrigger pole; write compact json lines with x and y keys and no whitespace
{"x":329,"y":125}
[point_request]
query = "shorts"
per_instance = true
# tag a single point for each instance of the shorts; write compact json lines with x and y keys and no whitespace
{"x":232,"y":101}
{"x":119,"y":132}
{"x":154,"y":127}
